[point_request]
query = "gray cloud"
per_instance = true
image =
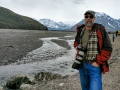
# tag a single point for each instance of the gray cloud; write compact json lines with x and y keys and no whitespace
{"x":61,"y":10}
{"x":78,"y":1}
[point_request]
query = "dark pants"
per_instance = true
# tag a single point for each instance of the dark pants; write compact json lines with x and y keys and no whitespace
{"x":113,"y":39}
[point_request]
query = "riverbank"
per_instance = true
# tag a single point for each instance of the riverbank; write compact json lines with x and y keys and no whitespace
{"x":16,"y":44}
{"x":111,"y":79}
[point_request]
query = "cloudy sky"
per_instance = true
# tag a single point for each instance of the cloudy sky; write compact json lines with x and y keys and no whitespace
{"x":62,"y":10}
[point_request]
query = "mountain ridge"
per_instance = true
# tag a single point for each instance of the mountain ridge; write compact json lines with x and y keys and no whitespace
{"x":52,"y":25}
{"x":110,"y":23}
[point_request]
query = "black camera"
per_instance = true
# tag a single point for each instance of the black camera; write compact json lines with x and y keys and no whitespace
{"x":77,"y":62}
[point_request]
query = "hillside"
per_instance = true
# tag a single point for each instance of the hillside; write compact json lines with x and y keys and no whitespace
{"x":11,"y":20}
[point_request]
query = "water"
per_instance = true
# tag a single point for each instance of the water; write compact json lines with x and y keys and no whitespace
{"x":32,"y":63}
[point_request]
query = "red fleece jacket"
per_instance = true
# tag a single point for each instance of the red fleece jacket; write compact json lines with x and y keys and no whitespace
{"x":104,"y":44}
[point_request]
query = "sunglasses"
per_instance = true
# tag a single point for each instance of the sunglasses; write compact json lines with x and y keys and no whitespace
{"x":89,"y":16}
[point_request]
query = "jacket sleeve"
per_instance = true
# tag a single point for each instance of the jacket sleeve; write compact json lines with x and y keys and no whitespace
{"x":77,"y":41}
{"x":106,"y":50}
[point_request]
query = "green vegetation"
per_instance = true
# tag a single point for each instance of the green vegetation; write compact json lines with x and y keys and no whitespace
{"x":11,"y":20}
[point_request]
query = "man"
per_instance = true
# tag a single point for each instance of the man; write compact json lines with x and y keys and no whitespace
{"x":94,"y":38}
{"x":113,"y":37}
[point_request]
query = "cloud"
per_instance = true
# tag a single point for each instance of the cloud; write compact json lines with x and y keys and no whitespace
{"x":78,"y":1}
{"x":61,"y":10}
{"x":109,"y":7}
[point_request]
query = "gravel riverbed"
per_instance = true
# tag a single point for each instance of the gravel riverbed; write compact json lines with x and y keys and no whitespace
{"x":15,"y":44}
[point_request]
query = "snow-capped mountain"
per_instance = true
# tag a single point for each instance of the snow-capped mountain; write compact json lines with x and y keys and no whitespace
{"x":70,"y":23}
{"x":110,"y":23}
{"x":119,"y":20}
{"x":52,"y":25}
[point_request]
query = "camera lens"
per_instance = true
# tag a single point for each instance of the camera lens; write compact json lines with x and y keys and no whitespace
{"x":77,"y":63}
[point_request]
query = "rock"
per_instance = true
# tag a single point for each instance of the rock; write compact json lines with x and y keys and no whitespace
{"x":61,"y":84}
{"x":1,"y":88}
{"x":16,"y":81}
{"x":46,"y":76}
{"x":27,"y":87}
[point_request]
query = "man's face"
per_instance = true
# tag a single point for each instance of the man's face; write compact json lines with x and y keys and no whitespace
{"x":89,"y":20}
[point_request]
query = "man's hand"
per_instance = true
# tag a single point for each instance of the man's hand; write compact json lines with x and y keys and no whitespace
{"x":76,"y":49}
{"x":95,"y":64}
